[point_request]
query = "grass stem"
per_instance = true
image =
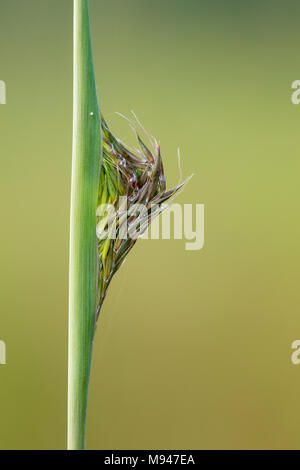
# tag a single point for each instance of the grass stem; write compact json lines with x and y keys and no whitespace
{"x":86,"y":162}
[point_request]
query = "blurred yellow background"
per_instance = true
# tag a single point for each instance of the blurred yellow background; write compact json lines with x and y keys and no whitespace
{"x":193,"y":348}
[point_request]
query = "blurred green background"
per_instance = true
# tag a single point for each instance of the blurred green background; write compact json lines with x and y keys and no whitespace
{"x":193,"y":348}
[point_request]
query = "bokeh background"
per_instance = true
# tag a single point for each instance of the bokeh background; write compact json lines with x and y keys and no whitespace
{"x":193,"y":350}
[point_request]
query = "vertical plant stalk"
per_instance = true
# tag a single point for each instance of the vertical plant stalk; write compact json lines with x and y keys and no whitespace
{"x":86,"y":161}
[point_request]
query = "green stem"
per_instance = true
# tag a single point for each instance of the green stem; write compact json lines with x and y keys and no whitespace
{"x":86,"y":162}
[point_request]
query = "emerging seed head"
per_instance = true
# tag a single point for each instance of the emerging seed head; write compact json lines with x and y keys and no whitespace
{"x":129,"y":178}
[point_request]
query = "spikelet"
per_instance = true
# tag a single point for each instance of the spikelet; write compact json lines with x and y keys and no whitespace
{"x":128,"y":177}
